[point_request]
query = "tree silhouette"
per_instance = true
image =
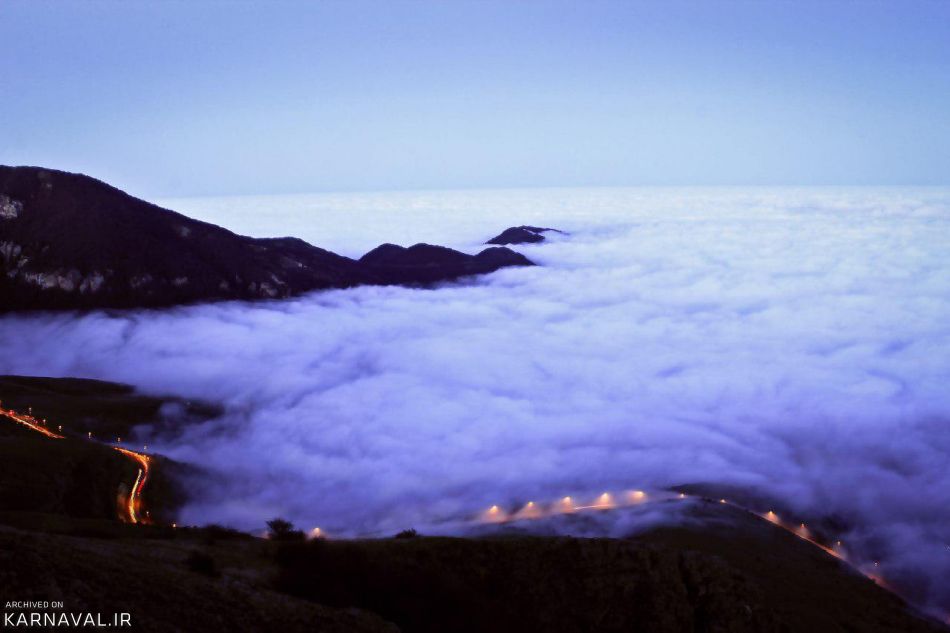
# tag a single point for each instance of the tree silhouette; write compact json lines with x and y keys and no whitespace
{"x":283,"y":530}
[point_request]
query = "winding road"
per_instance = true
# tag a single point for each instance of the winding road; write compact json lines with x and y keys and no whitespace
{"x":132,"y":508}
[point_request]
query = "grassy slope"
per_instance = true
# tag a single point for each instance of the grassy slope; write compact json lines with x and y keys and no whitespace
{"x":151,"y":580}
{"x":69,"y":477}
{"x":749,"y":577}
{"x":738,"y":573}
{"x":807,"y":589}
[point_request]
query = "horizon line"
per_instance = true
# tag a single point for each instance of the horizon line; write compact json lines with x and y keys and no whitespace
{"x":411,"y":190}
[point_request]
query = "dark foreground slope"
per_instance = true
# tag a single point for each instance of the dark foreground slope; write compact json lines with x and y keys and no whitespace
{"x":68,"y":241}
{"x":727,"y":571}
{"x":153,"y":582}
{"x":749,"y":578}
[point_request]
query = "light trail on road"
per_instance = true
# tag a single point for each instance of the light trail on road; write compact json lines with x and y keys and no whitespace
{"x":30,"y":422}
{"x":134,"y":502}
{"x":135,"y":496}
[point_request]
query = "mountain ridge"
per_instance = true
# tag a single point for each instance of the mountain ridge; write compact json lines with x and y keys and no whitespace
{"x":70,"y":241}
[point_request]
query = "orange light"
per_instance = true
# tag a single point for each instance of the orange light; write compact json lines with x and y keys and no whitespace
{"x":529,"y":511}
{"x":494,"y":514}
{"x":132,"y":495}
{"x":722,"y":501}
{"x":139,"y":484}
{"x":637,"y":496}
{"x":605,"y":500}
{"x":682,"y":495}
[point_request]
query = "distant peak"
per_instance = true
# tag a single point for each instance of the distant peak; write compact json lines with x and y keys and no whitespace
{"x":523,"y":234}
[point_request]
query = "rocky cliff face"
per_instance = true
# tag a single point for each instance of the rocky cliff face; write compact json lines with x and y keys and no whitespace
{"x":68,"y":241}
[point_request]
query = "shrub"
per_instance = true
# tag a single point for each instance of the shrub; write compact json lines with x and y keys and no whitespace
{"x":410,"y":533}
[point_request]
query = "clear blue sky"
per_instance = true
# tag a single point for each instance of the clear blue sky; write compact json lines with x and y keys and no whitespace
{"x":184,"y":98}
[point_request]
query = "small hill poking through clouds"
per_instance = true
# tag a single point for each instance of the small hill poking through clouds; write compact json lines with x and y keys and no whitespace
{"x":521,"y":235}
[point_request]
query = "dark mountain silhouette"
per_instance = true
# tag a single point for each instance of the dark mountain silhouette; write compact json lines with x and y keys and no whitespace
{"x":68,"y":241}
{"x":521,"y":235}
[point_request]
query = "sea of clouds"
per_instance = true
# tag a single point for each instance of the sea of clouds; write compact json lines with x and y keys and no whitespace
{"x":795,"y":342}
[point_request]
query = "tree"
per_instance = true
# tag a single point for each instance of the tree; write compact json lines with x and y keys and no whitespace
{"x":282,"y":530}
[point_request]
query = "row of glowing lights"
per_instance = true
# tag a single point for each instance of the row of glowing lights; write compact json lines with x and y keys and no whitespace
{"x":566,"y":505}
{"x":607,"y":501}
{"x":532,"y":510}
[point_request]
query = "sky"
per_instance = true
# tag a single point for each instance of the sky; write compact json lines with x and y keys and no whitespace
{"x":204,"y":98}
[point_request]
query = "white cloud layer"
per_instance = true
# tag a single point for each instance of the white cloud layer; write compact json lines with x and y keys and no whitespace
{"x":793,"y":341}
